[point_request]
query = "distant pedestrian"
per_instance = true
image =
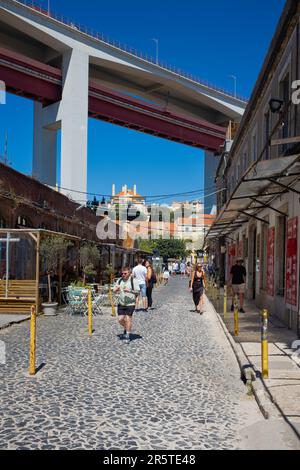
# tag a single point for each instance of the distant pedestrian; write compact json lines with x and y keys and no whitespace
{"x":127,"y":289}
{"x":140,"y":274}
{"x":182,"y":269}
{"x":188,"y":270}
{"x":238,"y":275}
{"x":151,"y":281}
{"x":174,"y":269}
{"x":197,"y":287}
{"x":166,"y":276}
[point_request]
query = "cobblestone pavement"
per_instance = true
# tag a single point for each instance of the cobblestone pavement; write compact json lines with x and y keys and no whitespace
{"x":176,"y":386}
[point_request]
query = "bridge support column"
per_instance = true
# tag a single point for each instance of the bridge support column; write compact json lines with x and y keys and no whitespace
{"x":44,"y":148}
{"x":210,"y":164}
{"x":71,"y":116}
{"x":74,"y":123}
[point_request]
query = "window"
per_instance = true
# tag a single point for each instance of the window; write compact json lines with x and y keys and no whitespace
{"x":23,"y":222}
{"x":267,"y":135}
{"x":2,"y":223}
{"x":254,"y":147}
{"x":245,"y":161}
{"x":284,"y":94}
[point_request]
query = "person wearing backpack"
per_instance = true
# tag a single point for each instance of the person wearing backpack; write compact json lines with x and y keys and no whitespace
{"x":151,"y":280}
{"x":127,"y":289}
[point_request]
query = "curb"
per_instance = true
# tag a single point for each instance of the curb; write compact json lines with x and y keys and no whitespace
{"x":15,"y":322}
{"x":250,"y":374}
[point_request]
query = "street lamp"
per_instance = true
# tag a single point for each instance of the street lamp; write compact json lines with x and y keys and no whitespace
{"x":157,"y":48}
{"x":235,"y":86}
{"x":275,"y":105}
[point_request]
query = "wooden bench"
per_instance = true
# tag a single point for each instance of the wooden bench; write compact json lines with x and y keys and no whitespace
{"x":21,"y":296}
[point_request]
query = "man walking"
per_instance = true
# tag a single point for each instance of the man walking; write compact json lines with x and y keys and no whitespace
{"x":183,"y":269}
{"x":128,"y":289}
{"x":238,"y":274}
{"x":140,"y":274}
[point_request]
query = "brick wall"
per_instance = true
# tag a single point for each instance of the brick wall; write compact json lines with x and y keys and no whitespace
{"x":41,"y":207}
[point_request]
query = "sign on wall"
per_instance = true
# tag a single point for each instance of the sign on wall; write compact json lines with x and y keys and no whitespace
{"x":271,"y":262}
{"x":291,"y":296}
{"x":231,"y":257}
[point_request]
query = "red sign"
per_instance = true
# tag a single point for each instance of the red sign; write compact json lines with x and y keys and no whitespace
{"x":270,"y":262}
{"x":291,"y":296}
{"x":231,"y":258}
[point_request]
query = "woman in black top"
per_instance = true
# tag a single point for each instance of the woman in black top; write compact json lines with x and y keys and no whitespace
{"x":197,"y":287}
{"x":150,"y":282}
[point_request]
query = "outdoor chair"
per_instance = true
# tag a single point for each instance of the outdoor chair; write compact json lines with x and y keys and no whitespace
{"x":77,"y":302}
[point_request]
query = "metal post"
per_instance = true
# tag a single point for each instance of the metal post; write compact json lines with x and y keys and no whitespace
{"x":7,"y":265}
{"x":37,"y":273}
{"x":218,"y":291}
{"x":90,"y":313}
{"x":113,"y":310}
{"x":236,"y":316}
{"x":210,"y":289}
{"x":264,"y":345}
{"x":32,"y":357}
{"x":225,"y":301}
{"x":215,"y":291}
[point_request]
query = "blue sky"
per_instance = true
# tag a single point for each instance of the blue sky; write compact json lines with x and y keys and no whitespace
{"x":210,"y":39}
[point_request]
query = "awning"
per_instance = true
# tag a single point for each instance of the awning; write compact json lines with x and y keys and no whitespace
{"x":259,"y":187}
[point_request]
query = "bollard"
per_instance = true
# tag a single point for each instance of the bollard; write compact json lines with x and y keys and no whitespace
{"x":218,"y":294}
{"x":215,"y":291}
{"x":236,"y":316}
{"x":32,"y":358}
{"x":113,"y":310}
{"x":90,"y":313}
{"x":225,"y":301}
{"x":264,"y":345}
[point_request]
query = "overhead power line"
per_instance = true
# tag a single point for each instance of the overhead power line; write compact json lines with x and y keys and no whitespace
{"x":150,"y":197}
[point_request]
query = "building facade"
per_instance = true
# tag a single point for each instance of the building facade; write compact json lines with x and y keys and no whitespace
{"x":258,"y":179}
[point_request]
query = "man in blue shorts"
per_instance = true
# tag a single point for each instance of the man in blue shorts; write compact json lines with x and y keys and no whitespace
{"x":140,"y":275}
{"x":128,"y":289}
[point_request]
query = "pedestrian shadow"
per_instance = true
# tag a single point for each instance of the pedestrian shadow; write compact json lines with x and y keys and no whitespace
{"x":41,"y":367}
{"x":133,"y":337}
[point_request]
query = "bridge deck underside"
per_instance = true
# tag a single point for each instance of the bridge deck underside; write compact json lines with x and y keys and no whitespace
{"x":40,"y":82}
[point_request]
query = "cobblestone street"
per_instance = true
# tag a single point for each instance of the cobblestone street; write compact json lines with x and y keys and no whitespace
{"x":176,"y":386}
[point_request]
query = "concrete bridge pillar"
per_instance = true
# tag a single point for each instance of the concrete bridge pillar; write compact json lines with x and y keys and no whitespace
{"x":44,"y":148}
{"x":71,"y":116}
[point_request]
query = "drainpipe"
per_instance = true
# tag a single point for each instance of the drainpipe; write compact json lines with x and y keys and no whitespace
{"x":297,"y":78}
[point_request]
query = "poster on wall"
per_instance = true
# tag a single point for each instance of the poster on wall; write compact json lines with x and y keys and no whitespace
{"x":231,"y":259}
{"x":291,"y":297}
{"x":270,"y":262}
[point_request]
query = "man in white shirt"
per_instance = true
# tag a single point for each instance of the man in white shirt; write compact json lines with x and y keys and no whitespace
{"x":127,"y":289}
{"x":140,"y":274}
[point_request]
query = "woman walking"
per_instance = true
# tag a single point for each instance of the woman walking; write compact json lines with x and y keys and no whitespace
{"x":197,"y":287}
{"x":151,"y":280}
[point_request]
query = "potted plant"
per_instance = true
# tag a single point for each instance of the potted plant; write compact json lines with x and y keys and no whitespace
{"x":89,"y":258}
{"x":53,"y":251}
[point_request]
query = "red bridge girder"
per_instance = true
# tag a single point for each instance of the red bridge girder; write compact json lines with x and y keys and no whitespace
{"x":40,"y":82}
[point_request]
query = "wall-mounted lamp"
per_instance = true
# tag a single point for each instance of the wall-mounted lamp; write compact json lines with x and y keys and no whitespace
{"x":275,"y":105}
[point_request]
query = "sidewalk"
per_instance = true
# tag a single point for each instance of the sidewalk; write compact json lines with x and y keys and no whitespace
{"x":283,"y":385}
